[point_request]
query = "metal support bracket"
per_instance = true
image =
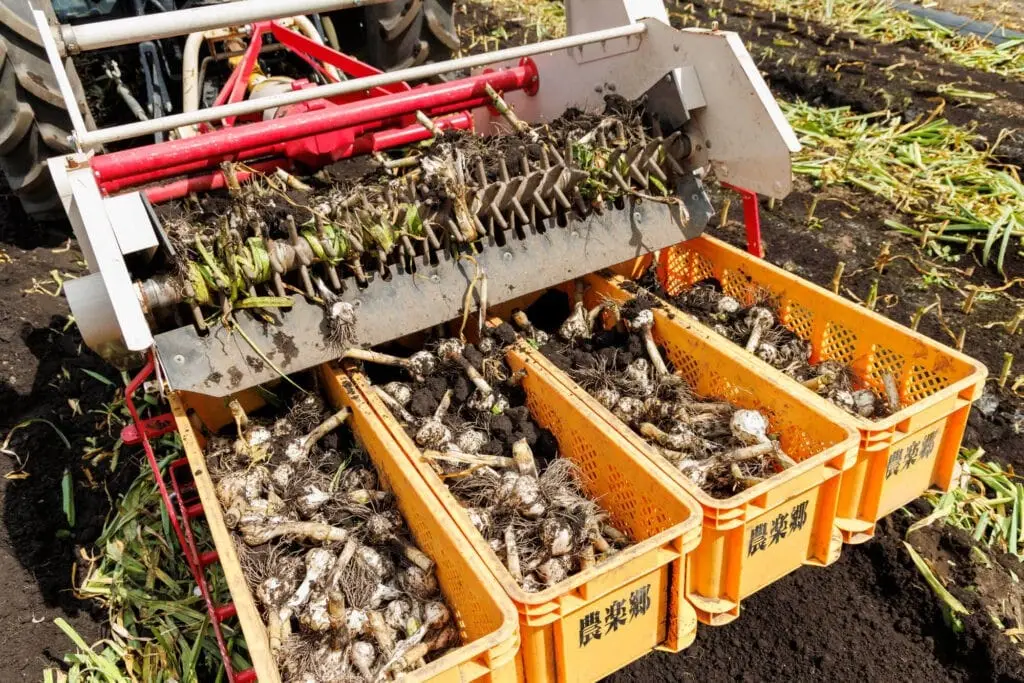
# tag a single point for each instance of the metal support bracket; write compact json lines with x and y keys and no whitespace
{"x":736,"y":125}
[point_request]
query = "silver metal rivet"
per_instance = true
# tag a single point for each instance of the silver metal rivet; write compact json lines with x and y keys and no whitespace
{"x":179,"y":359}
{"x":507,"y":255}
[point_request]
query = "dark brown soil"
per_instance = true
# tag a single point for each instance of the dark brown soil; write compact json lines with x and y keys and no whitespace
{"x":41,"y":376}
{"x":811,"y":62}
{"x":868,"y":617}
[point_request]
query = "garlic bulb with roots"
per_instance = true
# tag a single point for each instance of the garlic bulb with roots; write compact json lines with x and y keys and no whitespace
{"x":636,"y":379}
{"x":845,"y":400}
{"x":727,"y":305}
{"x":311,"y":500}
{"x":398,"y":615}
{"x":608,"y":397}
{"x":638,"y":371}
{"x":576,"y":326}
{"x":298,"y":449}
{"x":319,"y":562}
{"x":380,"y":529}
{"x":491,"y":402}
{"x":281,"y":477}
{"x":526,"y":496}
{"x":374,"y":561}
{"x":274,"y":590}
{"x":418,"y":583}
{"x":383,"y":594}
{"x":769,"y":353}
{"x":643,"y":322}
{"x":436,"y":614}
{"x":452,"y":349}
{"x":316,"y":616}
{"x":355,"y":478}
{"x":557,"y":536}
{"x":363,"y":656}
{"x":629,"y":409}
{"x":864,"y":402}
{"x":552,"y":571}
{"x":433,"y":433}
{"x":749,"y":427}
{"x":486,"y":345}
{"x":470,"y":441}
{"x":422,"y":364}
{"x":400,"y":391}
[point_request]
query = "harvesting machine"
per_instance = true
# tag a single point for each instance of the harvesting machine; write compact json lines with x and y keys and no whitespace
{"x":230,"y":121}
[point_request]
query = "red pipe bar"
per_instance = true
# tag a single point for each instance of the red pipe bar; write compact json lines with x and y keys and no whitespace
{"x":207,"y":182}
{"x":226,"y":144}
{"x":372,"y":142}
{"x":751,"y":219}
{"x":188,"y":511}
{"x":244,"y":69}
{"x":342,"y":147}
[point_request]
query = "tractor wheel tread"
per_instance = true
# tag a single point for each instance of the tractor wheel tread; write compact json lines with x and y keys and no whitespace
{"x":34,"y":124}
{"x":403,"y":33}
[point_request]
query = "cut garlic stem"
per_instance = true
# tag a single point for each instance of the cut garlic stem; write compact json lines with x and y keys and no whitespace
{"x":323,"y":429}
{"x":522,"y":454}
{"x":892,"y":392}
{"x":512,"y":555}
{"x":818,"y":383}
{"x":747,"y":452}
{"x":313,"y":532}
{"x":785,"y":460}
{"x":644,"y":321}
{"x":761,"y":320}
{"x":471,"y":459}
{"x":395,"y":407}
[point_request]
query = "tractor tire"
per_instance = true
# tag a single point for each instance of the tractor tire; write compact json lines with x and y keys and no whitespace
{"x":406,"y":33}
{"x":34,"y":122}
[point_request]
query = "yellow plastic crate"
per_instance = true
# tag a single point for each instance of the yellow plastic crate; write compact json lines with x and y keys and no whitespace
{"x":644,"y":583}
{"x":486,"y":618}
{"x":901,"y":456}
{"x":765,"y":532}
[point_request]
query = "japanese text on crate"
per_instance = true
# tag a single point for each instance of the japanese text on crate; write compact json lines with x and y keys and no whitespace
{"x":616,"y":615}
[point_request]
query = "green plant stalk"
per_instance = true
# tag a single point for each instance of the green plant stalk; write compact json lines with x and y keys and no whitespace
{"x":929,"y":168}
{"x":67,"y":487}
{"x":953,"y":609}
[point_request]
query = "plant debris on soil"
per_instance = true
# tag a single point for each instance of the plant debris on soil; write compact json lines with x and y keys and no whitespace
{"x":721,"y":448}
{"x":468,"y":413}
{"x":758,"y":328}
{"x":344,"y":591}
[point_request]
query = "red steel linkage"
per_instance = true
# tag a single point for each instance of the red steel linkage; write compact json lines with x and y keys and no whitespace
{"x":182,"y":508}
{"x":310,"y":135}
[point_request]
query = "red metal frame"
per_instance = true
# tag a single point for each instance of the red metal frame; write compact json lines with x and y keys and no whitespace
{"x":313,"y":133}
{"x":183,"y":506}
{"x":312,"y":136}
{"x":751,"y":219}
{"x":371,"y":142}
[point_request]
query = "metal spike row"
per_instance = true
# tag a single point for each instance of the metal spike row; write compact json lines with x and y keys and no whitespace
{"x":521,"y":199}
